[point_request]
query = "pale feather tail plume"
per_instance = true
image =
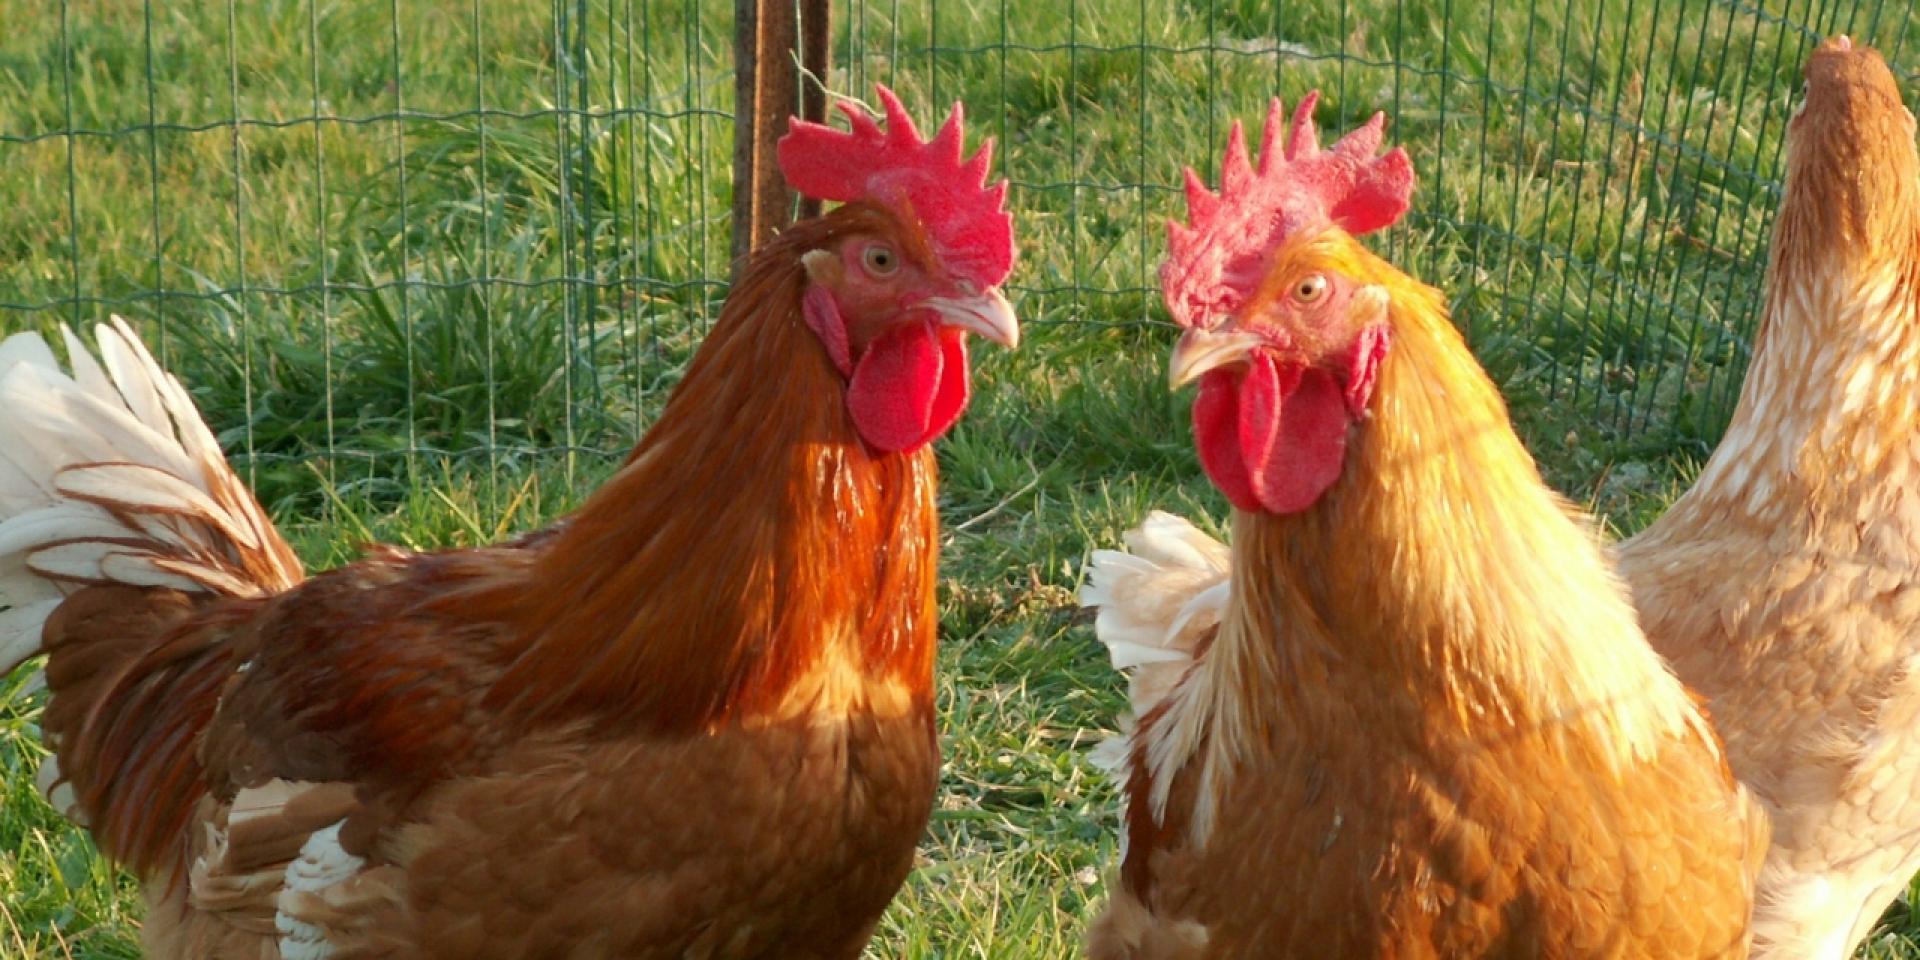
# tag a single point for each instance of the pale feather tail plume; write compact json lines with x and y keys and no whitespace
{"x":1158,"y":607}
{"x":108,"y":475}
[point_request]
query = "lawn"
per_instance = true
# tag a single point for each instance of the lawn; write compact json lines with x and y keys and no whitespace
{"x":449,"y":257}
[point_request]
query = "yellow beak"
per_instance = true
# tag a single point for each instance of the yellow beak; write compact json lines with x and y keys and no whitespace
{"x":1202,"y":350}
{"x":988,"y":314}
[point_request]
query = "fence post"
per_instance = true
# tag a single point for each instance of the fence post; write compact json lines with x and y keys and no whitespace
{"x":768,"y":34}
{"x":815,"y":40}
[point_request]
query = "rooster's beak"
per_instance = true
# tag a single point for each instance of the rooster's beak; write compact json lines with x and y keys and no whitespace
{"x":1202,"y":350}
{"x":987,"y":314}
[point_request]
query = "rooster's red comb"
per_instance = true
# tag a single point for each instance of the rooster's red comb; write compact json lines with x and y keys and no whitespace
{"x":1217,"y":258}
{"x":928,"y":180}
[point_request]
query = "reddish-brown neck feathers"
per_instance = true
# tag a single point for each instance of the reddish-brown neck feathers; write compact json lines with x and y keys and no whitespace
{"x":1419,"y":568}
{"x":1440,"y":449}
{"x":749,"y":532}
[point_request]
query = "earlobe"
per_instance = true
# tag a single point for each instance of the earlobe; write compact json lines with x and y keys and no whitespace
{"x":822,"y":267}
{"x":823,"y":317}
{"x":1370,"y":350}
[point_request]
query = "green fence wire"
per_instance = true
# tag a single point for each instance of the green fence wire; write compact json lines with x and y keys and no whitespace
{"x":372,"y":234}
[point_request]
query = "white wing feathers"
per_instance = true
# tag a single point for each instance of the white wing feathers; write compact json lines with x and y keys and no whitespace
{"x":109,"y":475}
{"x":1158,"y":605}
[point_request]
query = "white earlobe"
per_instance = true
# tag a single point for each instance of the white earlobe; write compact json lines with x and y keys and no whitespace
{"x":822,"y":266}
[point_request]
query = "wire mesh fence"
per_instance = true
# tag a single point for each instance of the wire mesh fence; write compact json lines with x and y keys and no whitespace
{"x":371,"y":233}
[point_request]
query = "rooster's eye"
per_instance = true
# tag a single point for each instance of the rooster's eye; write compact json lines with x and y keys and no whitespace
{"x":1310,"y":289}
{"x":880,"y":260}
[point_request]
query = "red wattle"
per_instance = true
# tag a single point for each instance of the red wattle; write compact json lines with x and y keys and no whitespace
{"x":909,"y":386}
{"x":1264,"y":390}
{"x":1274,"y":438}
{"x":1310,"y":448}
{"x":955,"y":385}
{"x":1216,"y":434}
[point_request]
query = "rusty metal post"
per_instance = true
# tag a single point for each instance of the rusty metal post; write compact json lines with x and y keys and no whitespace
{"x":746,"y":90}
{"x":767,"y":90}
{"x":815,"y":56}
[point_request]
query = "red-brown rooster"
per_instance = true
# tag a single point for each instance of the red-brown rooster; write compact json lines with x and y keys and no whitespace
{"x":1418,"y":720}
{"x":695,"y":720}
{"x":1785,"y":585}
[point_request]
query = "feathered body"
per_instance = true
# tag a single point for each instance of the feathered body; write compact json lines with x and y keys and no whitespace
{"x":693,"y":720}
{"x":1785,"y":585}
{"x":1426,"y":724}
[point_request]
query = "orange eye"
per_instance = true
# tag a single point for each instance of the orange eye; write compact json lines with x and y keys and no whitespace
{"x":1311,"y":289}
{"x":880,"y":260}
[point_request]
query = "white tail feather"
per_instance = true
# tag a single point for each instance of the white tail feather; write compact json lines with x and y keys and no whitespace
{"x":24,"y":588}
{"x":193,"y":434}
{"x":1157,"y":604}
{"x":86,"y":370}
{"x":58,"y":523}
{"x":20,"y":629}
{"x":26,"y":348}
{"x":108,"y":475}
{"x":55,"y":424}
{"x":1160,"y":607}
{"x":141,"y":488}
{"x":134,"y":373}
{"x":204,"y":577}
{"x":17,"y":490}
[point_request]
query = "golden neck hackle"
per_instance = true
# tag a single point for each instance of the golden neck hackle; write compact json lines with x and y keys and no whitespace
{"x":1425,"y":569}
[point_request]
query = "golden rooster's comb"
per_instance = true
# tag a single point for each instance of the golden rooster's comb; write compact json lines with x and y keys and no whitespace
{"x":1216,"y":259}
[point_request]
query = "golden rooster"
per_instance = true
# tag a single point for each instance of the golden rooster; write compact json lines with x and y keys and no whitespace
{"x":1785,"y":585}
{"x":694,"y":720}
{"x":1417,"y":720}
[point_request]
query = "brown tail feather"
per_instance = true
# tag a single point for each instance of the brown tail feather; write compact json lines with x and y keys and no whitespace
{"x":135,"y":676}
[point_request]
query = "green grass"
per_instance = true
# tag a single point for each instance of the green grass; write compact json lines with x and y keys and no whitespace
{"x":424,"y":323}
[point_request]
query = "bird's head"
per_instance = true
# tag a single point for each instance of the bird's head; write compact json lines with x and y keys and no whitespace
{"x":912,"y":263}
{"x":1285,"y":314}
{"x":1853,"y":178}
